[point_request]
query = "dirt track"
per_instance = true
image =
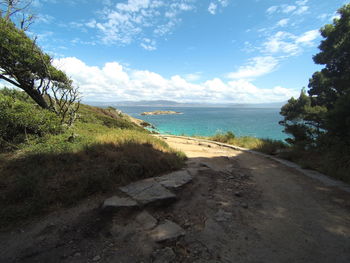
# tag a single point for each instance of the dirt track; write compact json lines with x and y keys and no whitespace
{"x":290,"y":218}
{"x":239,"y":208}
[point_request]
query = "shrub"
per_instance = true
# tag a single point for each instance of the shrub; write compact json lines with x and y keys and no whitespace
{"x":223,"y":137}
{"x":19,"y":120}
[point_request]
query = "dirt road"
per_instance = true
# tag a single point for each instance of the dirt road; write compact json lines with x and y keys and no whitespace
{"x":239,"y":208}
{"x":279,"y":215}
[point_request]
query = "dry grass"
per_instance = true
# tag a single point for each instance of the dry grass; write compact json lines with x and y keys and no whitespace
{"x":267,"y":146}
{"x":100,"y":153}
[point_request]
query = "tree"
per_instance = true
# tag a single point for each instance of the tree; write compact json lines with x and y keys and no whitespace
{"x":24,"y":65}
{"x":17,"y":8}
{"x":325,"y":110}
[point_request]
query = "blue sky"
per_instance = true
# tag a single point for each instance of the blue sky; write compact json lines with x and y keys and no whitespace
{"x":239,"y":51}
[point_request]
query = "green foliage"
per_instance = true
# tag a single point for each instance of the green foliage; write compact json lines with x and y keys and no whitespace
{"x":267,"y":146}
{"x":20,"y":119}
{"x":320,"y":121}
{"x":302,"y":120}
{"x":16,"y":94}
{"x":339,"y":119}
{"x":324,"y":111}
{"x":108,"y":117}
{"x":223,"y":137}
{"x":23,"y":60}
{"x":24,"y":65}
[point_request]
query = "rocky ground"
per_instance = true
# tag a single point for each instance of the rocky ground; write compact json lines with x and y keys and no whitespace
{"x":226,"y":206}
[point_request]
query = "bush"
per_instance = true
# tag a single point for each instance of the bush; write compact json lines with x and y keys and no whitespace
{"x":223,"y":137}
{"x":16,"y":94}
{"x":20,"y":119}
{"x":267,"y":146}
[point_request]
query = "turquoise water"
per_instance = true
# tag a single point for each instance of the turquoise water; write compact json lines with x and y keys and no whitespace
{"x":256,"y":122}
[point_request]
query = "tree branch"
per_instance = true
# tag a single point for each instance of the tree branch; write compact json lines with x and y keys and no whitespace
{"x":10,"y":81}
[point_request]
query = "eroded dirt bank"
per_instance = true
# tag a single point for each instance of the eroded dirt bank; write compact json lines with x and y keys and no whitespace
{"x":238,"y":208}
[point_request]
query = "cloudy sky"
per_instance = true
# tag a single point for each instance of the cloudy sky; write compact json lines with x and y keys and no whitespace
{"x":244,"y":51}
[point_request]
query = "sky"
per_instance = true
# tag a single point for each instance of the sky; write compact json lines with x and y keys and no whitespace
{"x":212,"y":51}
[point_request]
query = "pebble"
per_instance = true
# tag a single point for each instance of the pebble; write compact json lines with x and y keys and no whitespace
{"x":244,"y":205}
{"x":96,"y":258}
{"x":238,"y":194}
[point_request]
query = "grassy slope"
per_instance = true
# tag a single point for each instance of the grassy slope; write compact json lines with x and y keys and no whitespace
{"x":103,"y":150}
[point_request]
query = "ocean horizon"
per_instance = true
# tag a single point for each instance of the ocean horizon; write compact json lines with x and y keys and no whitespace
{"x":208,"y":121}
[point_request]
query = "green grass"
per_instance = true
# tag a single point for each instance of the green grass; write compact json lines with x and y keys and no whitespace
{"x":267,"y":146}
{"x":102,"y":151}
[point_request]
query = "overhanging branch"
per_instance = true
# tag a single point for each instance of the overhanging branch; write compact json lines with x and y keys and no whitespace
{"x":10,"y":81}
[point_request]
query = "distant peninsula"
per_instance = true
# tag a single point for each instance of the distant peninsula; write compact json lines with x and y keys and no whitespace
{"x":160,"y":112}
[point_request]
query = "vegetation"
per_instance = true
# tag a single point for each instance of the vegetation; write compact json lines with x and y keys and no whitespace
{"x":319,"y":120}
{"x":267,"y":146}
{"x":45,"y":165}
{"x":24,"y":65}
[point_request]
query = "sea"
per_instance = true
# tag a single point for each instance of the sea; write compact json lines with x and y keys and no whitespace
{"x":208,"y":121}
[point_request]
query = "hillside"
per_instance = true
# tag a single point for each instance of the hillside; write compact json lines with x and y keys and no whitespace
{"x":44,"y":166}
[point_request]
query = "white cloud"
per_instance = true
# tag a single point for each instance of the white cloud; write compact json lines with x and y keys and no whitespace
{"x":288,"y":44}
{"x":302,"y":2}
{"x":281,"y":42}
{"x":308,"y":37}
{"x":192,"y":76}
{"x":224,"y":3}
{"x":133,"y":20}
{"x":283,"y":22}
{"x":272,"y":9}
{"x":148,"y":44}
{"x":288,"y":8}
{"x":255,"y":67}
{"x":299,"y":8}
{"x":113,"y":82}
{"x":212,"y":8}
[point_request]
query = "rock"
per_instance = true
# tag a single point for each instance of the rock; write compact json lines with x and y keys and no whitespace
{"x":77,"y":254}
{"x":222,"y":216}
{"x":148,"y":191}
{"x":145,"y":220}
{"x":188,"y":224}
{"x":238,"y":194}
{"x":166,"y":232}
{"x":204,"y":165}
{"x":174,"y":180}
{"x":115,"y":203}
{"x":244,"y":205}
{"x":193,"y":171}
{"x":96,"y":258}
{"x":165,"y":255}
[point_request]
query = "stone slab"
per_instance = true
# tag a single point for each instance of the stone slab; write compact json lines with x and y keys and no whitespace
{"x":167,"y":231}
{"x":174,"y":180}
{"x":115,"y":203}
{"x":148,"y":191}
{"x":145,"y":220}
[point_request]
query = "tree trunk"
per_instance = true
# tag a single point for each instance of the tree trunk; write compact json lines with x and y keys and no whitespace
{"x":37,"y":97}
